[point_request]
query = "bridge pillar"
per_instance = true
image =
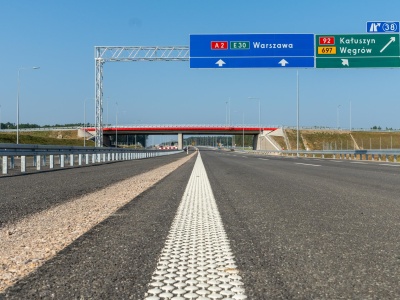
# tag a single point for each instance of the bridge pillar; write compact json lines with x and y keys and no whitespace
{"x":256,"y":140}
{"x":180,"y":141}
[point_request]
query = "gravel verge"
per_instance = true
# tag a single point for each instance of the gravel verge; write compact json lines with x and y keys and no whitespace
{"x":29,"y":242}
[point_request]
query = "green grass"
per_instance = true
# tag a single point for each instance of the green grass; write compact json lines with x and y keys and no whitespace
{"x":341,"y":140}
{"x":377,"y":140}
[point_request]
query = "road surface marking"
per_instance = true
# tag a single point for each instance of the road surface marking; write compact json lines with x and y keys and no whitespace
{"x":312,"y":165}
{"x":389,"y":165}
{"x":196,"y":261}
{"x":264,"y":158}
{"x":359,"y":162}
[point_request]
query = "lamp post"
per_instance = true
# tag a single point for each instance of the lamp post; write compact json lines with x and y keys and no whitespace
{"x":350,"y":115}
{"x":243,"y":133}
{"x":0,"y":117}
{"x":135,"y":133}
{"x":18,"y":88}
{"x":116,"y":126}
{"x":259,"y":117}
{"x":84,"y":122}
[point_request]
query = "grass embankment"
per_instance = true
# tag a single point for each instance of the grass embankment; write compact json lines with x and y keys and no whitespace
{"x":343,"y":140}
{"x":377,"y":140}
{"x":61,"y":138}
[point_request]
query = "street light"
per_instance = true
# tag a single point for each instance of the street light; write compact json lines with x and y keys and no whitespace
{"x":135,"y":132}
{"x":0,"y":117}
{"x":116,"y":126}
{"x":84,"y":122}
{"x":243,"y":133}
{"x":18,"y":85}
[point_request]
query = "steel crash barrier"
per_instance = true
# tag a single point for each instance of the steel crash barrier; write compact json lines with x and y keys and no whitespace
{"x":39,"y":156}
{"x":374,"y":155}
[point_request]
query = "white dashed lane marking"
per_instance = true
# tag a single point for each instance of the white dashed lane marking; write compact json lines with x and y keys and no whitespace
{"x":197,"y":261}
{"x":311,"y":165}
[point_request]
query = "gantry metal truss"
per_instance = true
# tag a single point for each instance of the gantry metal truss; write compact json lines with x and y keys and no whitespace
{"x":132,"y":54}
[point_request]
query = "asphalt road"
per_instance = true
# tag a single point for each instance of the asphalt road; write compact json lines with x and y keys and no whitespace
{"x":25,"y":194}
{"x":298,"y":228}
{"x":310,"y":229}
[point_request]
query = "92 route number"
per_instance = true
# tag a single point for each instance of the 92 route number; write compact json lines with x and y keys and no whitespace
{"x":327,"y":40}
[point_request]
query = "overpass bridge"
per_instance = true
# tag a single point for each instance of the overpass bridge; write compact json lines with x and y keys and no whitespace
{"x":182,"y":130}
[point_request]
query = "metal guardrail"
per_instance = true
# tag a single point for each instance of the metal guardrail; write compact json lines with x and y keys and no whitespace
{"x":374,"y":154}
{"x":43,"y":155}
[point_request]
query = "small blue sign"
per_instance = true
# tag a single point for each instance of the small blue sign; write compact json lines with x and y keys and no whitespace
{"x":382,"y":27}
{"x":252,"y":51}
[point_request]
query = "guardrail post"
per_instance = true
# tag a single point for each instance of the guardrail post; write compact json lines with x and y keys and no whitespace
{"x":62,"y":160}
{"x":38,"y":162}
{"x":104,"y":157}
{"x":23,"y":164}
{"x":4,"y":165}
{"x":71,"y":160}
{"x":108,"y":156}
{"x":87,"y":158}
{"x":379,"y":157}
{"x":80,"y":159}
{"x":12,"y":162}
{"x":51,"y":161}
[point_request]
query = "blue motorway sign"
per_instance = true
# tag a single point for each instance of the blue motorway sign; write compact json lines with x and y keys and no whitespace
{"x":252,"y":51}
{"x":382,"y":27}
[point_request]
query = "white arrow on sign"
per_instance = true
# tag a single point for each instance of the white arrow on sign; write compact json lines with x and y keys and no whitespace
{"x":392,"y":39}
{"x":345,"y":62}
{"x":283,"y":63}
{"x":220,"y":63}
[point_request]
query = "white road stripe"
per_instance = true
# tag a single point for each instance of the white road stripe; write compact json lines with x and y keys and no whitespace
{"x":359,"y":163}
{"x":264,"y":158}
{"x":389,"y":165}
{"x":196,"y":262}
{"x":312,"y":165}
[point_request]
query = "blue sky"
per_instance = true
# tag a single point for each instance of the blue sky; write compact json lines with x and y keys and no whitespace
{"x":60,"y":36}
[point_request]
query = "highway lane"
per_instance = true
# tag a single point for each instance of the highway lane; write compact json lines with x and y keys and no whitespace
{"x":304,"y":228}
{"x":114,"y":260}
{"x":298,"y":228}
{"x":26,"y":194}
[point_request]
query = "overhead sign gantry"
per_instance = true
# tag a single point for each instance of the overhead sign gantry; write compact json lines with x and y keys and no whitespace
{"x":372,"y":50}
{"x":131,"y":54}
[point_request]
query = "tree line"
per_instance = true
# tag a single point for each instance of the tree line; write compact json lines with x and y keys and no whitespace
{"x":9,"y":125}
